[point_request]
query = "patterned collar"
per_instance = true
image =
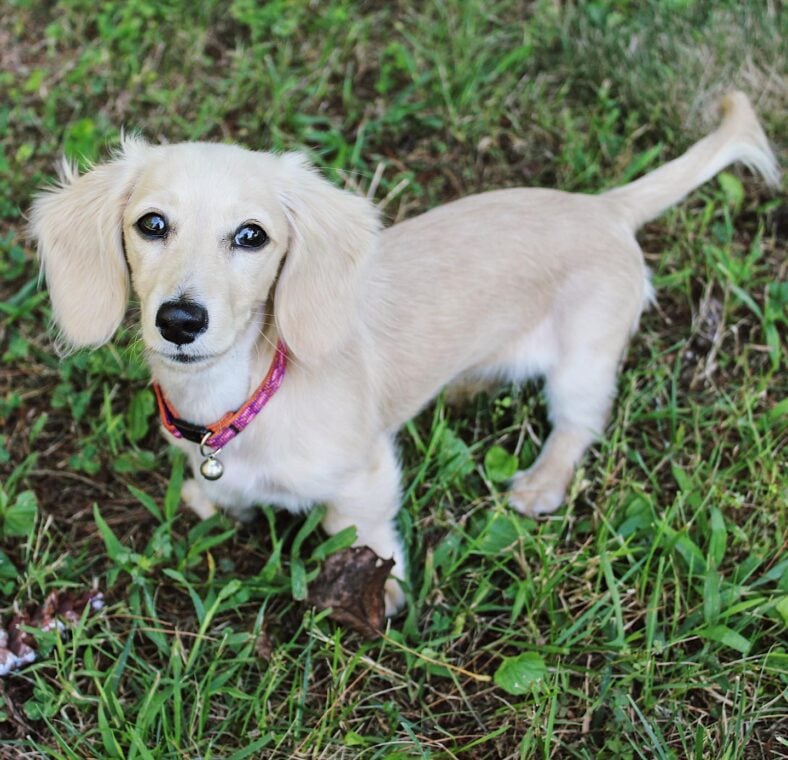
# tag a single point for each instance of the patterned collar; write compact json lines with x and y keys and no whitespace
{"x":219,"y":433}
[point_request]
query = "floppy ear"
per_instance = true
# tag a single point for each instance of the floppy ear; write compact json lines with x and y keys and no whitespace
{"x":333,"y":234}
{"x":78,"y":226}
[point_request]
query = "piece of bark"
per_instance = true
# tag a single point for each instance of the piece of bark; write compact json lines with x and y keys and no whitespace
{"x":351,"y":584}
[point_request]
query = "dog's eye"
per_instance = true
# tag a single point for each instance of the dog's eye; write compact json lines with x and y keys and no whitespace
{"x":250,"y":236}
{"x":153,"y":225}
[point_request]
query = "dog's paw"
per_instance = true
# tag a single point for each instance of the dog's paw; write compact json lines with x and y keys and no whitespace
{"x":393,"y":596}
{"x":536,"y":492}
{"x":196,"y":500}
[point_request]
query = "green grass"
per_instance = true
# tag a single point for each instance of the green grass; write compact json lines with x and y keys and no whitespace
{"x":647,"y":618}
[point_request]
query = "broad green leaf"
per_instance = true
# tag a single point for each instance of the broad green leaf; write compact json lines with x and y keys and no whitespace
{"x":7,"y":569}
{"x":501,"y":532}
{"x":499,"y":464}
{"x":20,"y":517}
{"x":134,"y":461}
{"x":519,"y":675}
{"x":454,"y":456}
{"x":298,"y":579}
{"x":353,"y":739}
{"x":138,"y":416}
{"x":639,"y":516}
{"x":726,"y":636}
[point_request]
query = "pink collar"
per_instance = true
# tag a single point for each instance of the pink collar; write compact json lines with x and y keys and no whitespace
{"x":221,"y":432}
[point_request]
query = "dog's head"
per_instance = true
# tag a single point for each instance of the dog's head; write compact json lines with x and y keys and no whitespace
{"x":210,"y":234}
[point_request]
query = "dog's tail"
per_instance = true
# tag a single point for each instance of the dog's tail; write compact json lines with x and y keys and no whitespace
{"x":738,"y":138}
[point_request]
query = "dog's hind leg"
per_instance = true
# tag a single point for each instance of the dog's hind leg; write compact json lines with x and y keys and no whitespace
{"x":580,"y":389}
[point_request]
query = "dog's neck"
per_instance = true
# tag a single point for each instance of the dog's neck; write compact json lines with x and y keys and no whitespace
{"x":204,"y":394}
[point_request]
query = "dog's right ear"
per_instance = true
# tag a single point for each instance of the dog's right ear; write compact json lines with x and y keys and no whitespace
{"x":78,"y":227}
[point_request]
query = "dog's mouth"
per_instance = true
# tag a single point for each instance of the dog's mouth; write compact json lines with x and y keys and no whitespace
{"x":190,"y":358}
{"x":181,"y":358}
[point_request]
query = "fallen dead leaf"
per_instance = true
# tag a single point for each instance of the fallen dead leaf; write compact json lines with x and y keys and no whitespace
{"x":351,"y":585}
{"x":59,"y":610}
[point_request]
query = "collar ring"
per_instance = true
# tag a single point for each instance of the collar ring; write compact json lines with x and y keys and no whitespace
{"x":210,"y":452}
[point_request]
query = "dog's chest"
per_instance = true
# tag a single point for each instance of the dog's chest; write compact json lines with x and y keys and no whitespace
{"x":256,"y":472}
{"x":294,"y":453}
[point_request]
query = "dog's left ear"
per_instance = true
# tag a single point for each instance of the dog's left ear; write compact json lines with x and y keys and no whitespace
{"x":333,"y":234}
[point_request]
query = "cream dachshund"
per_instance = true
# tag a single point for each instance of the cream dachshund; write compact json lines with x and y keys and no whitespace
{"x":289,"y":337}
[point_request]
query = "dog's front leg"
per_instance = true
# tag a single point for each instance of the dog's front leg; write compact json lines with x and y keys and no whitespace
{"x":194,"y":498}
{"x":369,"y":501}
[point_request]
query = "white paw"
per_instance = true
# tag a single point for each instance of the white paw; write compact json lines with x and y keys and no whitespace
{"x":196,"y":500}
{"x":533,"y":492}
{"x":393,"y":596}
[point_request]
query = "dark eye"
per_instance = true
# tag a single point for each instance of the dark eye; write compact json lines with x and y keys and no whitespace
{"x":250,"y":236}
{"x":153,"y":225}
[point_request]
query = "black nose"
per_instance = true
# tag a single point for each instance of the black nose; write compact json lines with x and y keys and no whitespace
{"x":181,"y":322}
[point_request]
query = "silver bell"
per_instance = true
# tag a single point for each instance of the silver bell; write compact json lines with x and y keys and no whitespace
{"x":211,"y":468}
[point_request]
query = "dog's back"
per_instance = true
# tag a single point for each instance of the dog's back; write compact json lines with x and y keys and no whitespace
{"x":483,"y":282}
